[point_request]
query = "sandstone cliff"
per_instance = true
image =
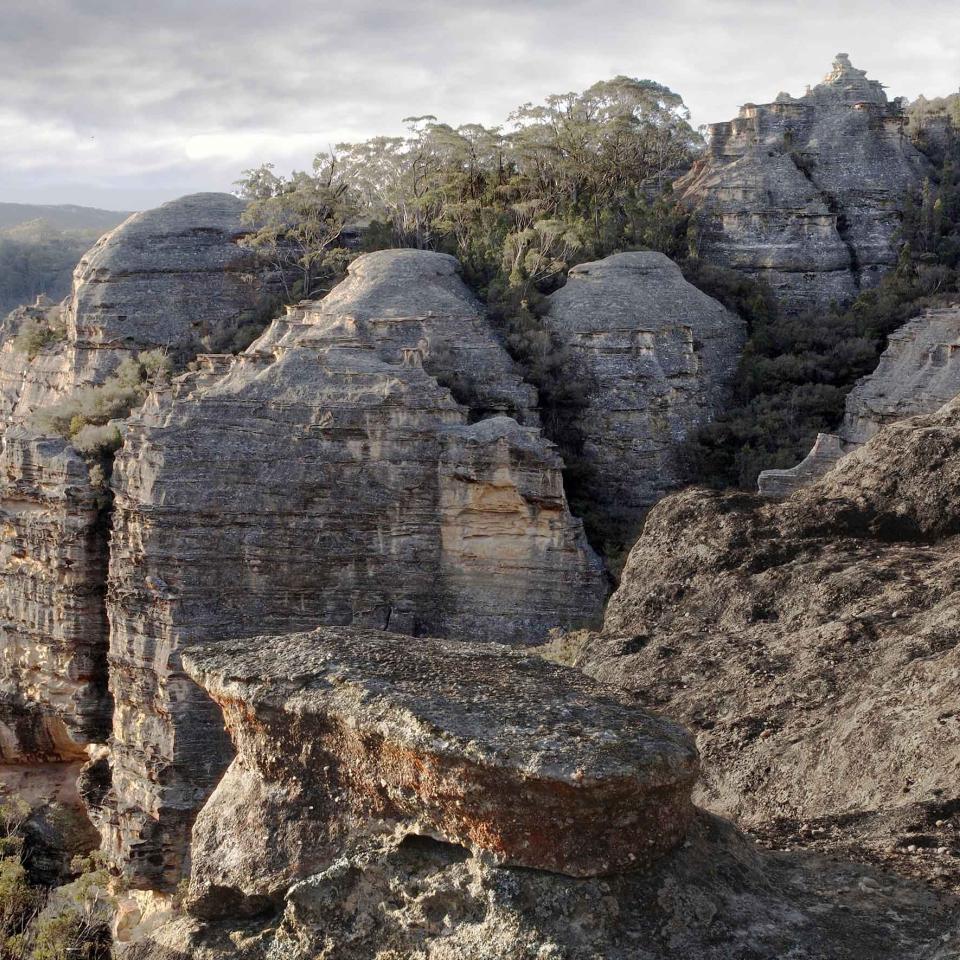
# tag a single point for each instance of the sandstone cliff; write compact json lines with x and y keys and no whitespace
{"x":812,"y":645}
{"x":53,"y":562}
{"x":655,"y":358}
{"x":170,"y":277}
{"x":804,"y":193}
{"x":918,"y":373}
{"x":325,"y":476}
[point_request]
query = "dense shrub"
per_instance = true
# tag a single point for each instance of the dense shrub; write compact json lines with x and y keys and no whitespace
{"x":84,"y":416}
{"x":36,"y":333}
{"x":38,"y":923}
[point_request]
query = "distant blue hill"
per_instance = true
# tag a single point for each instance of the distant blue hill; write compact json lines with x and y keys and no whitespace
{"x":66,"y":217}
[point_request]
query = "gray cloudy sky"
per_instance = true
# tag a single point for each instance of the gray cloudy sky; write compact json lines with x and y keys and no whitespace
{"x":126,"y":103}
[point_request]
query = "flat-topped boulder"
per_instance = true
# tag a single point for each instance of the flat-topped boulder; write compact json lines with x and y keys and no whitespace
{"x":474,"y":744}
{"x":655,"y":358}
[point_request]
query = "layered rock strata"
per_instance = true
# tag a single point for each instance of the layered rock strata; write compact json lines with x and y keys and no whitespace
{"x":812,"y":644}
{"x":656,"y":358}
{"x":53,"y":624}
{"x":170,"y":278}
{"x":325,"y":476}
{"x":805,"y":193}
{"x":918,"y":373}
{"x":473,"y":744}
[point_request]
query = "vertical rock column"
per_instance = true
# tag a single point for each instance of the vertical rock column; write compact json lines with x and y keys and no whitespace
{"x":53,"y":633}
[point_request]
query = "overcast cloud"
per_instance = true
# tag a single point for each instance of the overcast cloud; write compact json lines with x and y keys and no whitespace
{"x":126,"y":103}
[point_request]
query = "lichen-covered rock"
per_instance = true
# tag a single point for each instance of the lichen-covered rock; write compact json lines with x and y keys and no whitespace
{"x":805,"y":193}
{"x":812,"y":644}
{"x":325,"y":476}
{"x":53,"y":624}
{"x":918,"y":373}
{"x":716,"y":897}
{"x":475,"y":744}
{"x":655,"y":357}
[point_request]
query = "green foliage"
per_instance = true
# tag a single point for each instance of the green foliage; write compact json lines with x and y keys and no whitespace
{"x":39,"y":261}
{"x":84,"y":416}
{"x":36,"y":333}
{"x":40,"y":924}
{"x":296,"y":224}
{"x":572,"y":179}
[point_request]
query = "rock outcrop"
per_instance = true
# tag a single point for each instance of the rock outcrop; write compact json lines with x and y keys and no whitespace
{"x":918,"y":373}
{"x":655,"y":358}
{"x":394,"y":796}
{"x":812,"y":645}
{"x":470,"y":743}
{"x":325,"y":476}
{"x":805,"y":193}
{"x":174,"y":278}
{"x":53,"y":624}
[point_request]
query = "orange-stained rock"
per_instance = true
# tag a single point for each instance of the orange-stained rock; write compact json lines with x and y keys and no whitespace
{"x":343,"y":733}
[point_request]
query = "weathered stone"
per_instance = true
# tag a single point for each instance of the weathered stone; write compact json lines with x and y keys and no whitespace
{"x":812,"y":643}
{"x":805,"y":193}
{"x":164,"y":278}
{"x":719,"y":896}
{"x":53,"y":625}
{"x":27,"y":384}
{"x":172,"y":277}
{"x":655,"y":357}
{"x":826,"y":453}
{"x":322,"y":477}
{"x":414,"y":308}
{"x":918,"y":373}
{"x":343,"y":732}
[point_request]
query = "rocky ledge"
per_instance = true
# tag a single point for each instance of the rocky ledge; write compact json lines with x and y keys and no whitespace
{"x":343,"y":733}
{"x":812,"y":645}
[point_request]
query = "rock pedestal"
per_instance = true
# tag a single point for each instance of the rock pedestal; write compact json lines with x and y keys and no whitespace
{"x":344,"y":733}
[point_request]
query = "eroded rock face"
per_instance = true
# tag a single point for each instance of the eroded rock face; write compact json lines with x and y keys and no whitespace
{"x":656,"y":358}
{"x":53,"y":624}
{"x":414,"y":308}
{"x":325,"y":476}
{"x":167,"y":278}
{"x":812,"y":643}
{"x":163,"y":278}
{"x":717,"y":897}
{"x":918,"y":373}
{"x":474,"y":744}
{"x":805,"y":193}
